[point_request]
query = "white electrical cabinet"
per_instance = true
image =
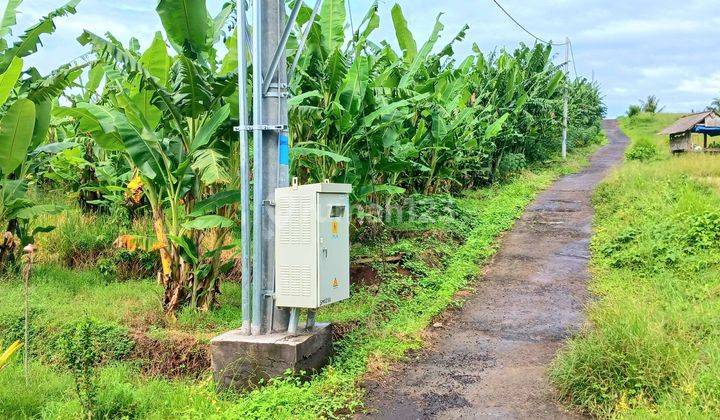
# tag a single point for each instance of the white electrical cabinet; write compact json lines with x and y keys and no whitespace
{"x":312,"y":245}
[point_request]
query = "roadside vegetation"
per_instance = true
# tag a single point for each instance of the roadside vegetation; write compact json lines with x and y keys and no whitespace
{"x":138,"y":356}
{"x":652,"y":345}
{"x":128,"y":186}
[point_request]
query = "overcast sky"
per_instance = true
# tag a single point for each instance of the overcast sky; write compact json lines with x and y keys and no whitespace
{"x":635,"y":48}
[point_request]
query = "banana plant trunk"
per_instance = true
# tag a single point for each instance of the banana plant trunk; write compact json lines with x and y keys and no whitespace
{"x":8,"y":250}
{"x":182,"y":286}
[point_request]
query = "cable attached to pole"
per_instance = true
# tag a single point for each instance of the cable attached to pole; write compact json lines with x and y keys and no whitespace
{"x":572,"y":54}
{"x":568,"y":52}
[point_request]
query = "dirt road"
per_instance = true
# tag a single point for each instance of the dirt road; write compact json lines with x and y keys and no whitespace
{"x":491,"y":360}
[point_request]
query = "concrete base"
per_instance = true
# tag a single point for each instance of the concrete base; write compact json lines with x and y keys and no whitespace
{"x":241,"y":361}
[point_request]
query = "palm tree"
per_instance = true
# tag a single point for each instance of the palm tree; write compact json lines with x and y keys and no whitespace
{"x":715,"y":105}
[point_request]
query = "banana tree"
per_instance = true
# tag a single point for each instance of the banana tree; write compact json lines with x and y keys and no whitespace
{"x":585,"y":105}
{"x":25,"y":108}
{"x":385,"y":121}
{"x":346,"y":116}
{"x":169,"y":114}
{"x":25,"y":96}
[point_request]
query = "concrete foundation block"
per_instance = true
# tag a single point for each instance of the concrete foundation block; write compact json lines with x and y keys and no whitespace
{"x":241,"y":361}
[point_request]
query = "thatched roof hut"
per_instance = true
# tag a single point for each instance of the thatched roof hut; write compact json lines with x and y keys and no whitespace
{"x":681,"y":132}
{"x":688,"y":122}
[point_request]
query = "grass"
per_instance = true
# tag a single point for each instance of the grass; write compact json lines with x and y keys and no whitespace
{"x":652,"y":347}
{"x":384,"y":321}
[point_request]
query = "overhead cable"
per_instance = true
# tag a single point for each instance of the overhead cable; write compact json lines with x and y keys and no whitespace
{"x":572,"y":54}
{"x":524,"y":28}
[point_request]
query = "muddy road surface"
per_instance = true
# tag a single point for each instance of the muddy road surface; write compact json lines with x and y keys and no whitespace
{"x":491,"y":358}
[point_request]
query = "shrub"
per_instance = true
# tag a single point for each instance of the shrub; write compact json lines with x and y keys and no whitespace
{"x":643,"y":150}
{"x":12,"y":328}
{"x":512,"y":164}
{"x":633,"y":111}
{"x":129,"y":265}
{"x":651,"y":105}
{"x":79,"y":351}
{"x":82,"y":347}
{"x":111,"y":342}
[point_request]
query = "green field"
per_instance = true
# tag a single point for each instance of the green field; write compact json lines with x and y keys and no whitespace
{"x":652,"y":345}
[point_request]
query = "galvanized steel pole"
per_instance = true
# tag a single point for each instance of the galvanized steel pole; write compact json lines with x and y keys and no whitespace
{"x":246,"y":243}
{"x":303,"y":40}
{"x":271,"y":19}
{"x":565,"y":99}
{"x":259,"y":182}
{"x":280,"y":49}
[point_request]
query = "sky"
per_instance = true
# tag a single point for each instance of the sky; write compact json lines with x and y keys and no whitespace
{"x":632,"y":48}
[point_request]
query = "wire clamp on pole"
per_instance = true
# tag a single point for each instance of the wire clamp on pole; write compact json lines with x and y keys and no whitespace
{"x":276,"y":94}
{"x":263,"y":127}
{"x":278,"y":90}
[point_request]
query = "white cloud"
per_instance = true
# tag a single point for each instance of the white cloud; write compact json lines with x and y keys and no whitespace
{"x":662,"y":72}
{"x":705,"y":85}
{"x":628,"y":28}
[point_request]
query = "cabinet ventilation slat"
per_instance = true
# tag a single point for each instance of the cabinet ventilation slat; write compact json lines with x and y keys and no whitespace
{"x":295,"y":280}
{"x":295,"y":220}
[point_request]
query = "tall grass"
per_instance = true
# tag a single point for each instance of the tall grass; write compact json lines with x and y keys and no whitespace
{"x":652,"y":347}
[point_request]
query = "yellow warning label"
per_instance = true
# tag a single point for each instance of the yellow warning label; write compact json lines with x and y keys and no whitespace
{"x":335,"y":283}
{"x":334,"y":227}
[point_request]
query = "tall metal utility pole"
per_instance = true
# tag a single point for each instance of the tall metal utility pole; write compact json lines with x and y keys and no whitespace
{"x":246,"y":244}
{"x":565,"y":98}
{"x":271,"y":31}
{"x":269,"y":120}
{"x":275,"y":110}
{"x":271,"y":160}
{"x":237,"y":358}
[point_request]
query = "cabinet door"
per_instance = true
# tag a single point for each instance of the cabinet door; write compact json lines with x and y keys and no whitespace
{"x":295,"y":249}
{"x":333,"y":248}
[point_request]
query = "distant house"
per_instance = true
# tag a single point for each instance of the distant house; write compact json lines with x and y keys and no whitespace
{"x":706,"y":123}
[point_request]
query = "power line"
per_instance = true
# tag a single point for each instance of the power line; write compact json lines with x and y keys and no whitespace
{"x":524,"y":28}
{"x":568,"y":43}
{"x":572,"y":54}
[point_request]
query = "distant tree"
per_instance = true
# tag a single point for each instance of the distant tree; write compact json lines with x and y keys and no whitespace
{"x":651,"y":105}
{"x":715,"y":105}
